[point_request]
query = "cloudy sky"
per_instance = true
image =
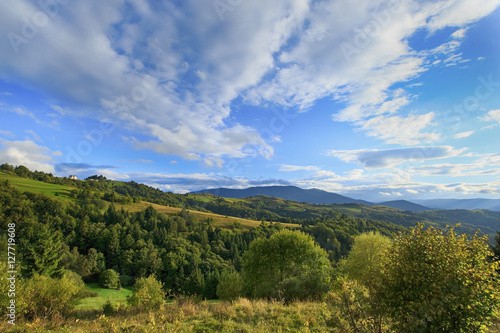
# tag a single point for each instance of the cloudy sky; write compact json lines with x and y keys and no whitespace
{"x":377,"y":100}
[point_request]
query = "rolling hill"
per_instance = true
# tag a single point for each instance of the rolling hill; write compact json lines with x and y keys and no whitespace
{"x":477,"y":203}
{"x":247,"y":208}
{"x":404,"y":205}
{"x":294,"y":193}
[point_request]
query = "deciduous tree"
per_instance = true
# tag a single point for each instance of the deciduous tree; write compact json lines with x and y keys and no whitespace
{"x":438,"y":281}
{"x":287,"y":266}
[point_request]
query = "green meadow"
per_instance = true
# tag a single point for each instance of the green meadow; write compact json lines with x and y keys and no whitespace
{"x":116,"y":297}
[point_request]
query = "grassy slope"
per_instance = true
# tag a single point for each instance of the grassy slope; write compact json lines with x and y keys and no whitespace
{"x":23,"y":184}
{"x":114,"y":296}
{"x":219,"y":220}
{"x":62,"y":192}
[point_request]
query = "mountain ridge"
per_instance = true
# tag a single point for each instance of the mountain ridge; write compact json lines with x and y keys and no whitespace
{"x":320,"y":197}
{"x":293,"y":193}
{"x":405,"y":205}
{"x":476,"y":203}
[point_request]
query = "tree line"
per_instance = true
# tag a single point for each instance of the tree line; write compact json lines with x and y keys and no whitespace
{"x":379,"y":275}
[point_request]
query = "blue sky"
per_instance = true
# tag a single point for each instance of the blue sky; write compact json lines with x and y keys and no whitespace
{"x":378,"y":100}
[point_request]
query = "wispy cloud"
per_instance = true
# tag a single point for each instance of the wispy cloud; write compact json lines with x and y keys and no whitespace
{"x":386,"y":158}
{"x":493,"y":115}
{"x":7,"y":134}
{"x":34,"y":135}
{"x":283,"y":52}
{"x":140,"y":161}
{"x":291,"y":168}
{"x":462,"y":135}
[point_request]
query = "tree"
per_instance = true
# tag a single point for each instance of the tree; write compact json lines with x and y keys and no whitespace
{"x":357,"y":294}
{"x":7,"y":168}
{"x":287,"y":266}
{"x":229,"y":287}
{"x":42,"y":250}
{"x":148,"y":294}
{"x":43,"y":296}
{"x":22,"y":171}
{"x":438,"y":281}
{"x":110,"y":279}
{"x":366,"y":259}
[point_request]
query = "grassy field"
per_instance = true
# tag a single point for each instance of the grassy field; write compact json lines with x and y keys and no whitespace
{"x":114,"y":296}
{"x":189,"y":316}
{"x":219,"y":220}
{"x":35,"y":186}
{"x":63,"y":193}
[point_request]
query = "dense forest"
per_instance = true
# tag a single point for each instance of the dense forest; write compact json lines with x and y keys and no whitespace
{"x":188,"y":254}
{"x":88,"y":230}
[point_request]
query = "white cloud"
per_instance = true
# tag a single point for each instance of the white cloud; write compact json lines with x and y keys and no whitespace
{"x":386,"y":158}
{"x":459,"y":34}
{"x":8,"y":134}
{"x":460,"y":12}
{"x":401,"y":130}
{"x":493,"y":115}
{"x":35,"y":136}
{"x":291,"y":168}
{"x":26,"y":153}
{"x":169,"y":73}
{"x":462,"y":135}
{"x":140,"y":161}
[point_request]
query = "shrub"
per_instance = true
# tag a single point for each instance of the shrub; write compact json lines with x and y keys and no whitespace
{"x":288,"y":266}
{"x":108,"y":309}
{"x":44,"y":296}
{"x":355,"y":305}
{"x":229,"y":287}
{"x":148,"y":294}
{"x":437,"y":281}
{"x":110,"y":279}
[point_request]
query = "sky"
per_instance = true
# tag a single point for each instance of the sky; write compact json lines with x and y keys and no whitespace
{"x":376,"y":100}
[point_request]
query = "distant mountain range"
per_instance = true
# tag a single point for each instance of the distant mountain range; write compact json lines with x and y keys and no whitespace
{"x":478,"y":203}
{"x":293,"y":193}
{"x":316,"y":196}
{"x":405,"y":205}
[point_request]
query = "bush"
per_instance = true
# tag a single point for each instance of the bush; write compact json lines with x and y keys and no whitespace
{"x":148,"y":294}
{"x":366,"y":259}
{"x":108,"y":309}
{"x":364,"y":268}
{"x":437,"y":281}
{"x":356,"y":313}
{"x":110,"y":279}
{"x":43,"y":296}
{"x":288,"y":266}
{"x":229,"y":287}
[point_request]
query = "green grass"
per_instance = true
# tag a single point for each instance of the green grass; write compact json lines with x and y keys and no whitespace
{"x":63,"y":193}
{"x":114,"y":296}
{"x":219,"y":220}
{"x":29,"y":185}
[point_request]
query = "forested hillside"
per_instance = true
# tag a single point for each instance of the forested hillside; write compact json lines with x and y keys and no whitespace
{"x":301,"y":266}
{"x":82,"y":224}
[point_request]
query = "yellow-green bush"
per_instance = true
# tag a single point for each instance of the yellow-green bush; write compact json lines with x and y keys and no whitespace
{"x":42,"y":296}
